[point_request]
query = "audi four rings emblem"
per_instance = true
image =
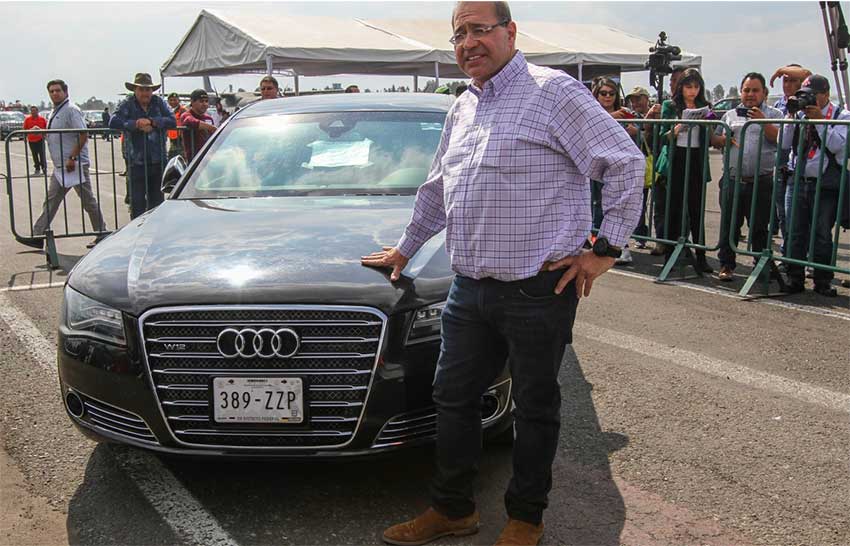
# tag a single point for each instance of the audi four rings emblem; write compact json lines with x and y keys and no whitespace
{"x":263,"y":343}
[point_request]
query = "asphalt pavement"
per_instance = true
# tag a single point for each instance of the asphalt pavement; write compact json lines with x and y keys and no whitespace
{"x":690,"y":416}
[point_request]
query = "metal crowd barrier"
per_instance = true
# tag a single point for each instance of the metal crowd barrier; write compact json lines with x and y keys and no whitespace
{"x":788,"y":181}
{"x":107,"y":153}
{"x":660,"y":202}
{"x":656,"y":134}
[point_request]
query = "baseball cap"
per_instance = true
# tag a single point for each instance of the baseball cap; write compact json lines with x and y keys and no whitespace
{"x":815,"y":84}
{"x":173,"y":94}
{"x":198,"y":94}
{"x":638,"y":90}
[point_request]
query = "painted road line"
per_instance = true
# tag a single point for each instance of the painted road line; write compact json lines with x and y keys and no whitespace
{"x":173,"y":502}
{"x":26,"y":287}
{"x":734,"y":295}
{"x":720,"y":368}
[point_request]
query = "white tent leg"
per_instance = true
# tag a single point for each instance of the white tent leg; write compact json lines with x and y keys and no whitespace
{"x":581,"y":72}
{"x":437,"y":72}
{"x":269,"y":65}
{"x":415,"y":83}
{"x":162,"y":81}
{"x":297,"y":88}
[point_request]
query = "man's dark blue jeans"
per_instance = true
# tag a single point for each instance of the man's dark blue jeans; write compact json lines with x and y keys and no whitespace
{"x":804,"y":220}
{"x":145,"y":183}
{"x":483,"y":322}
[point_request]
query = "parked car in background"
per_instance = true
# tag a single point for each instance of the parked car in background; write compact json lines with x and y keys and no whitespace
{"x":11,"y":121}
{"x":722,"y":106}
{"x":236,"y":319}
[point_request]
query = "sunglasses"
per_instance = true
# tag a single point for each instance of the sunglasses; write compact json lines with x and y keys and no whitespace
{"x":607,"y":93}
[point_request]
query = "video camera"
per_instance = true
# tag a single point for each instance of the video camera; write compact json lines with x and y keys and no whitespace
{"x":800,"y":101}
{"x":660,"y":61}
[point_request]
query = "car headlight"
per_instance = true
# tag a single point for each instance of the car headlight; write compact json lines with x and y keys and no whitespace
{"x":87,"y":317}
{"x":426,"y":324}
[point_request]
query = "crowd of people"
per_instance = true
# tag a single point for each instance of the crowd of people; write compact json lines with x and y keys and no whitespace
{"x":155,"y":130}
{"x":683,"y":170}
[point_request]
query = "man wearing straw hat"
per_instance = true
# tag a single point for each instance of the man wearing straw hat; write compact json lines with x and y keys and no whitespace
{"x":145,"y":118}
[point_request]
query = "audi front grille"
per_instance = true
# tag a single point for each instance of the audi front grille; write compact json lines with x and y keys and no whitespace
{"x":336,"y":356}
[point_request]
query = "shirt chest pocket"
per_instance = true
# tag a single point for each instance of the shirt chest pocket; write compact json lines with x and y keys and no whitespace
{"x":513,"y":149}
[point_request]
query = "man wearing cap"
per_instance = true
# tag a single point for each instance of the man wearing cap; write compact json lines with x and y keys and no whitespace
{"x":144,"y":118}
{"x":200,"y":124}
{"x":638,"y":100}
{"x":809,"y":162}
{"x":175,"y":136}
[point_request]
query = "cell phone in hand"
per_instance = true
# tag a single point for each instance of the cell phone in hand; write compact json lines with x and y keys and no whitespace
{"x":742,"y":111}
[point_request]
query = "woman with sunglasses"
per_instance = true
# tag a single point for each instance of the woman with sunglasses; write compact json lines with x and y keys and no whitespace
{"x":607,"y":93}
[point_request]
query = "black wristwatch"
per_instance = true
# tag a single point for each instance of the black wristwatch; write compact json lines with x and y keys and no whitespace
{"x":602,"y":248}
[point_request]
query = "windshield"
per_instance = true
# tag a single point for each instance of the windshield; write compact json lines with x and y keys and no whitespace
{"x":340,"y":153}
{"x":94,"y":114}
{"x":13,"y":116}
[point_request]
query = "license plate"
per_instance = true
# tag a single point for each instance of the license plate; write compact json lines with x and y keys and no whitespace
{"x":258,"y":400}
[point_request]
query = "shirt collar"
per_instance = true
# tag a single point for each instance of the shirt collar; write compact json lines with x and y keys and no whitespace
{"x":504,"y":77}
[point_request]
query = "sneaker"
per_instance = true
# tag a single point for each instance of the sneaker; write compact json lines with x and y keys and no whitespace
{"x":640,"y":244}
{"x":520,"y":533}
{"x":810,"y":272}
{"x":845,"y":283}
{"x":726,"y":274}
{"x":625,"y":257}
{"x":429,"y":526}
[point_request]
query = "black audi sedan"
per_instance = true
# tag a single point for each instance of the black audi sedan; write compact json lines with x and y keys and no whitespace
{"x":235,"y":319}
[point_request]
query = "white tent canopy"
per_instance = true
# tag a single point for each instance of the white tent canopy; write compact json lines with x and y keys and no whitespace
{"x":219,"y":44}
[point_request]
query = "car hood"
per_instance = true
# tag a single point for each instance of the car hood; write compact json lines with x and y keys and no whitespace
{"x":262,"y":251}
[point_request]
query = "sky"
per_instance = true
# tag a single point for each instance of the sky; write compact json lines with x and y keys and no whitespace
{"x":97,"y":46}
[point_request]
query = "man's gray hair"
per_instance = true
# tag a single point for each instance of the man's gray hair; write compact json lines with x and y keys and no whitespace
{"x":502,"y":9}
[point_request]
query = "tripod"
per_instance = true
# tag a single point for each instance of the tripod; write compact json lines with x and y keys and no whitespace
{"x":837,"y":41}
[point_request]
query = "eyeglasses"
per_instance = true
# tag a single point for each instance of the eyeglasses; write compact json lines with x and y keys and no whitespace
{"x":477,"y":32}
{"x":607,"y":93}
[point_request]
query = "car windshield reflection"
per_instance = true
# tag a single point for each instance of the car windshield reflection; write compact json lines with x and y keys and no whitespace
{"x":339,"y":153}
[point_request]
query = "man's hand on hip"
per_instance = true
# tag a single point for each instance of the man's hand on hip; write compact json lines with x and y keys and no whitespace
{"x":388,"y":257}
{"x":584,"y":268}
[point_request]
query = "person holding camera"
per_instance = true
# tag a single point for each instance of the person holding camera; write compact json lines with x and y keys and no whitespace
{"x":756,"y":171}
{"x":792,"y":80}
{"x":812,"y":103}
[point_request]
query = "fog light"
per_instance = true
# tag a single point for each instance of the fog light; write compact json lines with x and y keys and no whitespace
{"x":75,"y":404}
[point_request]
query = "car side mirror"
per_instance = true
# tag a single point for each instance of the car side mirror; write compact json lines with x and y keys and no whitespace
{"x":173,"y":172}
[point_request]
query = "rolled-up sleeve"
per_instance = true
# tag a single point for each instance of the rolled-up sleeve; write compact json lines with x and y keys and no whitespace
{"x":429,"y":212}
{"x":601,"y":150}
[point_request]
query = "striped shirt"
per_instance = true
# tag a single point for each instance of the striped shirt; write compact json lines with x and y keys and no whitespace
{"x":510,"y":182}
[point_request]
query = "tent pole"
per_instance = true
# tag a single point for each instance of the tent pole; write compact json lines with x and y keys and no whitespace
{"x":162,"y":80}
{"x":437,"y":72}
{"x":415,"y":83}
{"x":581,"y":72}
{"x":297,"y":89}
{"x":269,"y":65}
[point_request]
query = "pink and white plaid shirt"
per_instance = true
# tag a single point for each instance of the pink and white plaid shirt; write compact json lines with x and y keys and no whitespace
{"x":510,"y":182}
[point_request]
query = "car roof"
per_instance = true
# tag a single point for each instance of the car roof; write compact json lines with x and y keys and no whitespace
{"x":348,"y":102}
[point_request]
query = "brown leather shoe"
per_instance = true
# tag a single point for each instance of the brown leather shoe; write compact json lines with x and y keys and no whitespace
{"x":429,"y":526}
{"x":520,"y":533}
{"x":726,"y":274}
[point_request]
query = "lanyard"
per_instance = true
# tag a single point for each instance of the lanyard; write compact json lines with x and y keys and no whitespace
{"x":56,"y":111}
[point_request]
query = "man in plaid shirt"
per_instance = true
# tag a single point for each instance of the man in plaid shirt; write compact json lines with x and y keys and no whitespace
{"x":510,"y":185}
